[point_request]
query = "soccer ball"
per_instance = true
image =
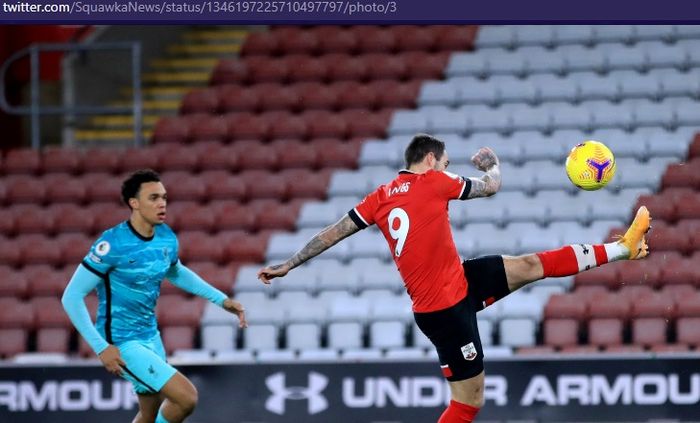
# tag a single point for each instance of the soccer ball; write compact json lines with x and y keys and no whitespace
{"x":590,"y":165}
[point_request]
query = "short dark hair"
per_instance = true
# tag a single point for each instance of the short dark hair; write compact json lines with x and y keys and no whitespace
{"x":420,"y":146}
{"x":132,"y":185}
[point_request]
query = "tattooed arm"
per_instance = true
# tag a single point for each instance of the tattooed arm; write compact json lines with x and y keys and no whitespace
{"x":322,"y":241}
{"x":485,"y":160}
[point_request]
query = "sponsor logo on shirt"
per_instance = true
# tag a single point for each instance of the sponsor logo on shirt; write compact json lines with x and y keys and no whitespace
{"x":404,"y":187}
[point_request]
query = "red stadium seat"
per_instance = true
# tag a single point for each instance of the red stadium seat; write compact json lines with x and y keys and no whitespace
{"x":694,"y":149}
{"x":230,"y":71}
{"x":606,"y":276}
{"x":49,"y":313}
{"x":638,"y":273}
{"x":634,"y":293}
{"x":649,"y":331}
{"x":333,"y":153}
{"x":24,"y":189}
{"x":210,"y":129}
{"x":668,"y":239}
{"x":333,"y":39}
{"x":414,"y":38}
{"x":247,"y":127}
{"x":561,"y":332}
{"x":3,"y":191}
{"x":342,"y":67}
{"x":660,"y":207}
{"x":580,"y":350}
{"x":260,"y":44}
{"x":289,"y":127}
{"x":46,"y":281}
{"x":537,"y":350}
{"x":233,"y":215}
{"x":689,"y":306}
{"x":455,"y":38}
{"x":7,"y":222}
{"x":24,"y":161}
{"x":196,"y":218}
{"x":691,"y":226}
{"x":254,"y":155}
{"x":14,"y":284}
{"x":367,"y":124}
{"x":353,"y":94}
{"x":189,"y":188}
{"x":196,"y":245}
{"x":317,"y":96}
{"x":657,"y":305}
{"x":565,"y":306}
{"x":689,"y":208}
{"x":220,"y":277}
{"x":108,"y":160}
{"x":181,"y":158}
{"x":33,"y":219}
{"x":323,"y":124}
{"x":236,"y":98}
{"x":264,"y":69}
{"x":61,"y":188}
{"x":15,"y":314}
{"x":605,"y":332}
{"x":422,"y":65}
{"x":589,"y":293}
{"x":10,"y":255}
{"x":38,"y":249}
{"x":52,"y":340}
{"x":681,"y":273}
{"x":688,"y":331}
{"x":249,"y":248}
{"x":300,"y":42}
{"x":681,"y":175}
{"x":177,"y":338}
{"x":305,"y":68}
{"x":102,"y":187}
{"x":108,"y":215}
{"x":222,"y":185}
{"x":304,"y":183}
{"x":373,"y":39}
{"x":140,"y":158}
{"x":385,"y":66}
{"x":274,"y":96}
{"x":73,"y":247}
{"x":294,"y":154}
{"x":262,"y":184}
{"x":202,"y":100}
{"x":282,"y":217}
{"x":14,"y":341}
{"x":61,"y":160}
{"x":609,"y":306}
{"x":678,"y":292}
{"x":177,"y":311}
{"x":171,"y":129}
{"x":395,"y":94}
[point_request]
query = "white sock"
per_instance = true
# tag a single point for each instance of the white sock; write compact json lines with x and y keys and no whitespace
{"x":616,"y":251}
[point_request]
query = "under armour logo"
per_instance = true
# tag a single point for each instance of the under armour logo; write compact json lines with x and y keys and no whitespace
{"x":585,"y":249}
{"x":281,"y":393}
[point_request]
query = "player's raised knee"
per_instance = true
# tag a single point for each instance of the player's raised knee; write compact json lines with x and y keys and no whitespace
{"x":188,"y":402}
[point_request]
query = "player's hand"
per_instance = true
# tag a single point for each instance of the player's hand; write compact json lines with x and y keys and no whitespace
{"x":268,"y":273}
{"x":112,"y":360}
{"x":485,"y":159}
{"x":235,"y":307}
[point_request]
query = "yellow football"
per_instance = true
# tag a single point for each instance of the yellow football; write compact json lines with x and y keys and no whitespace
{"x":590,"y":165}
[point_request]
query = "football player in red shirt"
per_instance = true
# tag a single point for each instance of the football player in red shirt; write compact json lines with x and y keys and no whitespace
{"x":411,"y":212}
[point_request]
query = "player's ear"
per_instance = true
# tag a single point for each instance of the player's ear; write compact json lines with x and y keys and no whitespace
{"x":133,"y":202}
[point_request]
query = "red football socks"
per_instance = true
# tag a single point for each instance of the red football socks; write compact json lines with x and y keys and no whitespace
{"x":458,"y":413}
{"x":576,"y":258}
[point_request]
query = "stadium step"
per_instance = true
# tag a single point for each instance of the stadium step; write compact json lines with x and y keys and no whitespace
{"x":174,"y":76}
{"x":116,"y":136}
{"x":168,"y":64}
{"x":158,"y":92}
{"x":205,"y":49}
{"x":122,"y":122}
{"x":167,"y":106}
{"x":214,"y":35}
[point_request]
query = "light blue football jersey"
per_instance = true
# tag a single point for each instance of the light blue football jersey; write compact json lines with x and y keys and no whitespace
{"x":132,"y":268}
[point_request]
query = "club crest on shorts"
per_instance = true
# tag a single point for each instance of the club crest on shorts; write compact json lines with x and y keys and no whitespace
{"x":469,"y":351}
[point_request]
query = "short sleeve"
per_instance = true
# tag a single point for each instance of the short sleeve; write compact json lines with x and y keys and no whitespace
{"x":363,"y":213}
{"x":102,"y":257}
{"x":451,"y":186}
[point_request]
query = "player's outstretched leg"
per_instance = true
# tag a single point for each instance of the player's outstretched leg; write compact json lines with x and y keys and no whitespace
{"x":577,"y":258}
{"x":181,"y":398}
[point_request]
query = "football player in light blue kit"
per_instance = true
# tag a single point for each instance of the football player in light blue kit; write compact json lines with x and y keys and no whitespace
{"x":126,"y":265}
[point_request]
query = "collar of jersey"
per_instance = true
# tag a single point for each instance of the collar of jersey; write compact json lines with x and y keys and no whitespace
{"x":141,"y":237}
{"x":407,"y":171}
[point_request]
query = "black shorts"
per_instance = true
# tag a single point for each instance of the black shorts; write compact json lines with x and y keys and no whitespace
{"x":454,"y":331}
